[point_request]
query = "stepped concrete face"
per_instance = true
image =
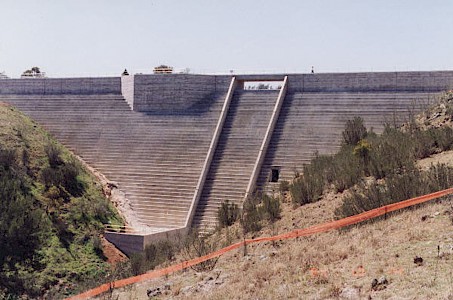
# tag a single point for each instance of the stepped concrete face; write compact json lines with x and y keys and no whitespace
{"x":236,"y":152}
{"x":312,"y":123}
{"x":155,"y":158}
{"x":153,"y":134}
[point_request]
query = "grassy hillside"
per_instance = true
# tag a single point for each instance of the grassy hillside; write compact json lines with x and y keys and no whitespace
{"x":51,"y":214}
{"x":405,"y":255}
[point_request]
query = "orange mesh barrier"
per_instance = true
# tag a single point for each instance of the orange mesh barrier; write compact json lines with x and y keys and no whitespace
{"x":293,"y":234}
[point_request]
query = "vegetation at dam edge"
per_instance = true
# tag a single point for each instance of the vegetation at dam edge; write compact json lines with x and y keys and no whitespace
{"x":51,"y":214}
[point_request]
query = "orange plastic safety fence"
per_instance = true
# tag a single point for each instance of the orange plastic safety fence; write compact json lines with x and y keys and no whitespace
{"x":293,"y":234}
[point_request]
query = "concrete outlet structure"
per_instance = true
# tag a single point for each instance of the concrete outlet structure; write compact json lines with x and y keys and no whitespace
{"x":179,"y":145}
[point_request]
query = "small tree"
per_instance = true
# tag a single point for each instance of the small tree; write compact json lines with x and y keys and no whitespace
{"x":34,"y":72}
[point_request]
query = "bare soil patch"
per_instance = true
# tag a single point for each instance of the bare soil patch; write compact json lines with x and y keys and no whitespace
{"x":112,"y":253}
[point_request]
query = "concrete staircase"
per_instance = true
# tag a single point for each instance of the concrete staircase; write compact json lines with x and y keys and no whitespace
{"x":240,"y":140}
{"x":156,"y":158}
{"x":311,"y":122}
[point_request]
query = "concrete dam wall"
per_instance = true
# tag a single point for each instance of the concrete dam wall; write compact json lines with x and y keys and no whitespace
{"x":179,"y":145}
{"x":61,"y":86}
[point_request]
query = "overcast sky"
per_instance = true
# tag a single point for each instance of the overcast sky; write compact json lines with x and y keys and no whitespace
{"x":97,"y":37}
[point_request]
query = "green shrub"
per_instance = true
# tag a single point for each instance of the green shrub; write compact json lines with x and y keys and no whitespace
{"x":121,"y":270}
{"x":197,"y":245}
{"x":150,"y":253}
{"x":101,"y":210}
{"x":49,"y":177}
{"x":256,"y":209}
{"x":321,"y":163}
{"x":153,"y":255}
{"x":346,"y":169}
{"x":97,"y":245}
{"x":408,"y":184}
{"x":444,"y":138}
{"x":283,"y":187}
{"x":23,"y":232}
{"x":69,"y":178}
{"x":343,"y":170}
{"x":447,"y":98}
{"x":271,"y":208}
{"x":424,"y":143}
{"x":362,"y":151}
{"x":439,"y":177}
{"x":391,"y":152}
{"x":227,"y":214}
{"x":64,"y":175}
{"x":7,"y":159}
{"x":53,"y":154}
{"x":53,"y":193}
{"x":309,"y":186}
{"x":166,"y":250}
{"x":251,"y":218}
{"x":449,"y":111}
{"x":392,"y":156}
{"x":138,"y":264}
{"x":354,"y":131}
{"x":364,"y":199}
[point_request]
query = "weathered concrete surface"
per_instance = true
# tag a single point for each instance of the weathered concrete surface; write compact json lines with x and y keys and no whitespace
{"x":177,"y":92}
{"x":127,"y":89}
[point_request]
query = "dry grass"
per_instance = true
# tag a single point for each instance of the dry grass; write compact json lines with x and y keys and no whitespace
{"x":333,"y":264}
{"x":442,"y":158}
